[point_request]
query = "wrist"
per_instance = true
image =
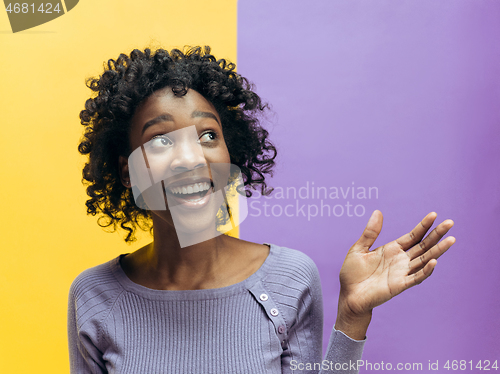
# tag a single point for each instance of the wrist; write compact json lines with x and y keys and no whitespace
{"x":352,"y":324}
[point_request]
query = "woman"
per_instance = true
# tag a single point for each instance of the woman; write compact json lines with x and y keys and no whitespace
{"x":165,"y":135}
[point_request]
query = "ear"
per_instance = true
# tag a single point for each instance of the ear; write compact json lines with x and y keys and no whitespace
{"x":124,"y":172}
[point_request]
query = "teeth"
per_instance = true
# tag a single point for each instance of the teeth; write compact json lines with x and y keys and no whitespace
{"x":190,"y":188}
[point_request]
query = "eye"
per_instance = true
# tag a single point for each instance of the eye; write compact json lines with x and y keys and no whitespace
{"x":160,"y":141}
{"x":208,"y":137}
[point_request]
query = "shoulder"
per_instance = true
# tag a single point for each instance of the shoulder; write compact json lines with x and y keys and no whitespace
{"x":94,"y":291}
{"x":294,"y":265}
{"x":292,"y":277}
{"x":95,"y":279}
{"x":292,"y":281}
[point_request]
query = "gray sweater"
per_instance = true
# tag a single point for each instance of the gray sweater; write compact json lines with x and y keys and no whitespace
{"x":272,"y":322}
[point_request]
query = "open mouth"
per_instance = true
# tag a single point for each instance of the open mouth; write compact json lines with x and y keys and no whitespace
{"x":194,"y":195}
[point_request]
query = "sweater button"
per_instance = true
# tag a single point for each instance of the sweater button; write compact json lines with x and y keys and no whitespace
{"x":274,"y":312}
{"x":263,"y":297}
{"x":281,"y":329}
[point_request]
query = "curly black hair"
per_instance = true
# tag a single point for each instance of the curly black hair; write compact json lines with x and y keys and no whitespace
{"x":129,"y":80}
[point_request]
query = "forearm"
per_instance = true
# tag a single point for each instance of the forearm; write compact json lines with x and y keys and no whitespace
{"x":343,"y":352}
{"x":354,"y":326}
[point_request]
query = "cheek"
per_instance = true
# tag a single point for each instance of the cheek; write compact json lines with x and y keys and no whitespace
{"x":219,"y":154}
{"x":160,"y":167}
{"x":227,"y":157}
{"x":225,"y":152}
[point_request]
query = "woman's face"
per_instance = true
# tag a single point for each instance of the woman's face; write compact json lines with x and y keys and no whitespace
{"x":179,"y":147}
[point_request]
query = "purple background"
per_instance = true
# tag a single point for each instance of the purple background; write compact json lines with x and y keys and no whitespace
{"x":403,"y":96}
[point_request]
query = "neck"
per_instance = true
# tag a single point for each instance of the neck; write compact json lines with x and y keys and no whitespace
{"x":190,"y":267}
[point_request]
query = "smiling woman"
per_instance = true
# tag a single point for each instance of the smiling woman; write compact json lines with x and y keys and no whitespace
{"x":183,"y":149}
{"x":128,"y":82}
{"x":164,"y":136}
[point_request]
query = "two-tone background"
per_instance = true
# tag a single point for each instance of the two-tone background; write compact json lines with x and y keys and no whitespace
{"x":390,"y":105}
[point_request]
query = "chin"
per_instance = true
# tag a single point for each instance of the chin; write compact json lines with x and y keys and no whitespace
{"x":195,"y":223}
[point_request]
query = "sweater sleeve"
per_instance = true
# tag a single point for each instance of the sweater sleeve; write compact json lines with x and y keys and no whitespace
{"x":342,"y":354}
{"x":84,"y":356}
{"x":305,"y":337}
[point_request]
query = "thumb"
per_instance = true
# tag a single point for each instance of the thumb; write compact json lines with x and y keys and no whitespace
{"x":370,"y":233}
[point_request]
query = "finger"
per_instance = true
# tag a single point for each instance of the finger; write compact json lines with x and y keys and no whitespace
{"x":421,"y":275}
{"x":434,"y":253}
{"x":414,"y":236}
{"x":431,"y":239}
{"x":370,"y":233}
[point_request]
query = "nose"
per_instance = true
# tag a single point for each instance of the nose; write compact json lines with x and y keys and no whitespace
{"x":188,"y":155}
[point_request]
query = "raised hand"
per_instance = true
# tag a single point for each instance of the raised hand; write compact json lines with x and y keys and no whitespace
{"x":370,"y":278}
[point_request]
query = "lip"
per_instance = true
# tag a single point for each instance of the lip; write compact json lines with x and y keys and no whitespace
{"x":190,"y":205}
{"x":189,"y":180}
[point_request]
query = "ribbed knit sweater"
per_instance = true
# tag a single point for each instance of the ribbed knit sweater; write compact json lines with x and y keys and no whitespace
{"x":272,"y":322}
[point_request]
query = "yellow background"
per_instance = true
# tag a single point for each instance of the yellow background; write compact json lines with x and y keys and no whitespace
{"x":47,"y":238}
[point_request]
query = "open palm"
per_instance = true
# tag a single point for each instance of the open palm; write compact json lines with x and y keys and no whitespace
{"x":370,"y":278}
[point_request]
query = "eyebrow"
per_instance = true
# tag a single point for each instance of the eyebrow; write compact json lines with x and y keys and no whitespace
{"x":168,"y":117}
{"x":197,"y":113}
{"x":154,"y":121}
